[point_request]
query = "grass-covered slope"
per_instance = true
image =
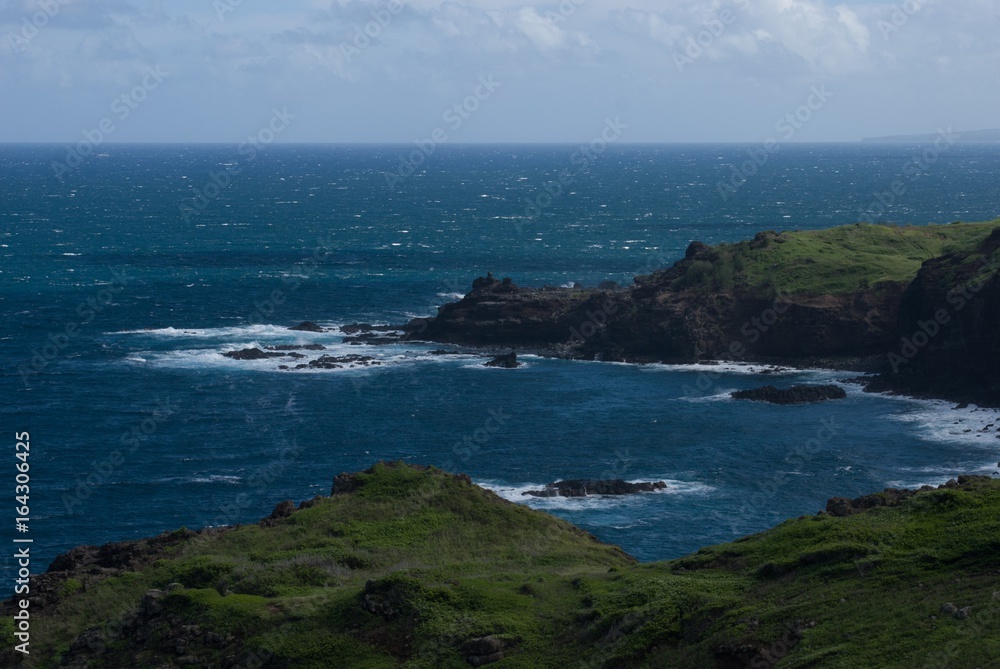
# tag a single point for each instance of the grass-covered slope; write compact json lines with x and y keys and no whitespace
{"x":831,"y":261}
{"x":417,"y":568}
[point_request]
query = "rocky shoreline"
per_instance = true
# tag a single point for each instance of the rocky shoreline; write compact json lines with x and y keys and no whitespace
{"x":931,"y":336}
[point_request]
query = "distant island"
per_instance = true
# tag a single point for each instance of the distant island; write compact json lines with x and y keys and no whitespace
{"x":968,"y":137}
{"x":918,"y":306}
{"x":405,"y":566}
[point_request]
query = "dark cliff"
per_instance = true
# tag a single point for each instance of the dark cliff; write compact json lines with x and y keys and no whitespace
{"x":949,"y":317}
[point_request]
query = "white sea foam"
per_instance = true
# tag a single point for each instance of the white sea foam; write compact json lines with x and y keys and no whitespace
{"x":752,"y":369}
{"x":515,"y":493}
{"x":479,"y":362}
{"x":256,"y":331}
{"x":211,"y":356}
{"x":940,"y":421}
{"x":914,"y":477}
{"x":722,"y":396}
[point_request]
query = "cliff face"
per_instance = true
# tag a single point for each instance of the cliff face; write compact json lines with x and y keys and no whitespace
{"x":949,"y":317}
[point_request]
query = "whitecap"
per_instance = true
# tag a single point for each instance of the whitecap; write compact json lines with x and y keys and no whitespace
{"x":266,"y":331}
{"x":212,"y":478}
{"x":723,"y":396}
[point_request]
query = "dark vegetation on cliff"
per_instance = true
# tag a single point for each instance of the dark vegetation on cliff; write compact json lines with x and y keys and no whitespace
{"x":849,"y":296}
{"x":412,"y":567}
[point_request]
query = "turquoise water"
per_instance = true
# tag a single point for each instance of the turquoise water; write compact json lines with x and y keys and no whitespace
{"x":120,"y":291}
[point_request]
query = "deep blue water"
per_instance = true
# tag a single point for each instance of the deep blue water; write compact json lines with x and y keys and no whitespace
{"x":138,"y":424}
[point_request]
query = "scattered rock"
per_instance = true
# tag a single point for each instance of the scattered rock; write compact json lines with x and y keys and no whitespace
{"x":387,"y":598}
{"x":344,"y":483}
{"x":585,"y":487}
{"x":92,"y":639}
{"x":483,"y":650}
{"x":252,"y":354}
{"x":504,"y":361}
{"x":841,"y":506}
{"x":296,"y":347}
{"x":793,"y":395}
{"x":963,"y":612}
{"x":340,"y":362}
{"x":696,"y":249}
{"x":308,"y":503}
{"x":485,"y":282}
{"x":283,"y":509}
{"x":151,"y":602}
{"x":307,"y":326}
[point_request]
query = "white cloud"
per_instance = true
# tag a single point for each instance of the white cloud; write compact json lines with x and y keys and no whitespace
{"x":857,"y":30}
{"x":553,"y":56}
{"x":542,"y":32}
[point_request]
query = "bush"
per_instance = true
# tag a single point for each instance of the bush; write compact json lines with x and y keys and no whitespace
{"x":69,"y":586}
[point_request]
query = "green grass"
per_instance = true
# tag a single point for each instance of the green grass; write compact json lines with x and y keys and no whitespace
{"x":445,"y":562}
{"x":832,"y":261}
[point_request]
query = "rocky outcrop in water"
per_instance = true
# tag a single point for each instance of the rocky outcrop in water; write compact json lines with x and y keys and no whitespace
{"x":296,"y":347}
{"x":253,"y":354}
{"x":792,"y":395}
{"x":340,"y":362}
{"x":503,"y":361}
{"x":307,"y":326}
{"x":586,"y":487}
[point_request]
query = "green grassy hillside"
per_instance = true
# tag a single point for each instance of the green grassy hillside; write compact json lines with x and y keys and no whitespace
{"x":830,"y":261}
{"x":417,"y":568}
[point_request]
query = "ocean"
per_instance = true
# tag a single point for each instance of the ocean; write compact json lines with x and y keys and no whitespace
{"x":127,"y":275}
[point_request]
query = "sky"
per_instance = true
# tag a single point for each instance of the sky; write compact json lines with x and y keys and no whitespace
{"x":495,"y":70}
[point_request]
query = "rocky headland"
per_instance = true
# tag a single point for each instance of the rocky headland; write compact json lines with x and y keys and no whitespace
{"x":918,"y":306}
